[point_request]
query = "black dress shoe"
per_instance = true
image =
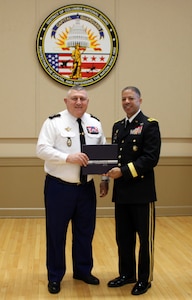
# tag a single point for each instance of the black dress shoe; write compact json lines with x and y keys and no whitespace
{"x":90,"y":279}
{"x":120,"y":281}
{"x":54,"y":287}
{"x":140,"y":287}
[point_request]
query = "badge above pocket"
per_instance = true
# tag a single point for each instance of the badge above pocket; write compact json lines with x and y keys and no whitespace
{"x":92,"y":129}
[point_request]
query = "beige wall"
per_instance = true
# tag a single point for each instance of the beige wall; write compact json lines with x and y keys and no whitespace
{"x":22,"y":182}
{"x":155,"y":55}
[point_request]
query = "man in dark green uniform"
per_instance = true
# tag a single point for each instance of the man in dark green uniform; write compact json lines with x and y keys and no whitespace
{"x":139,"y":141}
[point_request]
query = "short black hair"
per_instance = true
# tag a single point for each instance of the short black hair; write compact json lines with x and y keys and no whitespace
{"x":133,"y":88}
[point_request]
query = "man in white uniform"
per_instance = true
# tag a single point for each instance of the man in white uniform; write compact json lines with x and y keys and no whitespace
{"x":66,"y":196}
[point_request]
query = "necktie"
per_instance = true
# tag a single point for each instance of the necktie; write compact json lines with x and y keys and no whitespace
{"x":127,"y":123}
{"x":83,"y":178}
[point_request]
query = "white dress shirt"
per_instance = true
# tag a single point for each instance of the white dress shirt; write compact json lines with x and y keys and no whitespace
{"x":59,"y":137}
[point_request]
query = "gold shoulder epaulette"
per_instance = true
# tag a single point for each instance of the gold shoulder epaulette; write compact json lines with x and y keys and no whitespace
{"x":151,"y":120}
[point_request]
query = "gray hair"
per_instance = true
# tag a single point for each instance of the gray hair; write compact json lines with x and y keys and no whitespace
{"x":76,"y":87}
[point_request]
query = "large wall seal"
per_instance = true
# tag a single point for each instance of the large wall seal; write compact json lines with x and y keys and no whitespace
{"x":77,"y":44}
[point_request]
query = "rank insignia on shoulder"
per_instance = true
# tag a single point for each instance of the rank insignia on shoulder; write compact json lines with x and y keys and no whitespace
{"x":151,"y":120}
{"x":54,"y":116}
{"x":94,"y":117}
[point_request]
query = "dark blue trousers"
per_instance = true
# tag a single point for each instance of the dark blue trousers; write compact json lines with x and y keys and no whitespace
{"x":65,"y":203}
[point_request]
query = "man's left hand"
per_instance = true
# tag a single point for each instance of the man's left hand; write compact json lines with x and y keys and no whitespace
{"x":104,"y":187}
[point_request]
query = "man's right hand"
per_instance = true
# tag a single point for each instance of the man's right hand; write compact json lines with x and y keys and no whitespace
{"x":78,"y":158}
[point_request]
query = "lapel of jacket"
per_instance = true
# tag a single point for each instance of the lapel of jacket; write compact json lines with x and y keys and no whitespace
{"x":123,"y":132}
